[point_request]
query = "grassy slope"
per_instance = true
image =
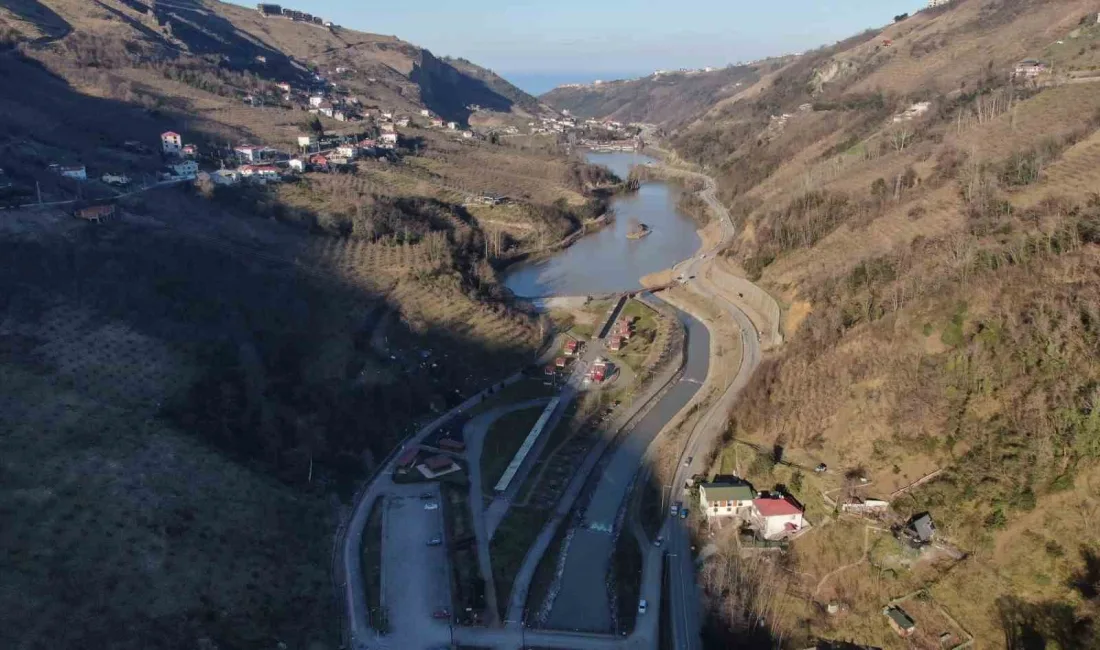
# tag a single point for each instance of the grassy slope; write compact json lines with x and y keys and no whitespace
{"x":950,"y":324}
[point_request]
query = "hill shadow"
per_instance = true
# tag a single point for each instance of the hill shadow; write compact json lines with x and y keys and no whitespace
{"x":449,"y":92}
{"x":41,"y":16}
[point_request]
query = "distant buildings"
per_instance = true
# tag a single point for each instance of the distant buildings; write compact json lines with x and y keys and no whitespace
{"x":932,"y":4}
{"x":1029,"y":69}
{"x":75,"y":172}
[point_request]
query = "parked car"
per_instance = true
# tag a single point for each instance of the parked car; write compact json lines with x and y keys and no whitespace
{"x":435,"y":541}
{"x":431,"y":505}
{"x":441,"y":613}
{"x":427,"y":495}
{"x":821,"y":468}
{"x":642,"y":606}
{"x":657,"y":542}
{"x":688,"y":461}
{"x":674,"y":509}
{"x":684,"y":513}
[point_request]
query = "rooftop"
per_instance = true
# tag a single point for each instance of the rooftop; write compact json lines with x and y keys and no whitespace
{"x":728,"y":491}
{"x":776,"y":507}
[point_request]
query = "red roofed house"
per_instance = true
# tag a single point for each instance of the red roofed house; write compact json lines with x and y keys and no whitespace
{"x":439,"y":463}
{"x":776,"y":517}
{"x":407,"y":459}
{"x":171,"y":142}
{"x":261,"y":172}
{"x":570,"y":348}
{"x":560,"y":362}
{"x":190,"y":150}
{"x":319,"y":161}
{"x":549,"y":370}
{"x":616,"y":343}
{"x":452,"y":445}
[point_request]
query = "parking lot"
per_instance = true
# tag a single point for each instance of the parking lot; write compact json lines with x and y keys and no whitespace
{"x":414,"y":578}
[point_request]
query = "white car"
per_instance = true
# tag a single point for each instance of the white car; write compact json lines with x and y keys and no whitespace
{"x":642,"y":606}
{"x":432,"y":505}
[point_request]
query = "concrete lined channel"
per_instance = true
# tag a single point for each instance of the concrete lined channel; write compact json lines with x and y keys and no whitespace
{"x":589,"y":557}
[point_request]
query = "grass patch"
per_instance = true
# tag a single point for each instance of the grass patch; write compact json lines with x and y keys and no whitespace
{"x":626,"y":568}
{"x":502,"y":441}
{"x":371,"y":551}
{"x":525,"y":389}
{"x":559,"y":434}
{"x":509,"y":546}
{"x":467,"y":585}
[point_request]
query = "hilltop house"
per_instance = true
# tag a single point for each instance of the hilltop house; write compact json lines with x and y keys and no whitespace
{"x":1029,"y":69}
{"x":389,"y":138}
{"x":902,"y":623}
{"x":171,"y":142}
{"x":75,"y":172}
{"x":726,"y":499}
{"x":775,"y":518}
{"x":920,"y":530}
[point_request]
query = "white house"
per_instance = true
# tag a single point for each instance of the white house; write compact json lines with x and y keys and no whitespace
{"x":467,"y":134}
{"x":389,"y":138}
{"x":260,"y":172}
{"x":76,"y":172}
{"x":115,"y":179}
{"x":325,"y":109}
{"x":726,"y":499}
{"x":388,"y":127}
{"x":452,"y":126}
{"x":347,"y":151}
{"x":339,"y":116}
{"x":316,"y":100}
{"x":297,"y":164}
{"x":251,"y":153}
{"x":306,"y":140}
{"x":171,"y":142}
{"x":775,"y":518}
{"x":402,"y":121}
{"x":387,"y":115}
{"x":226,"y":177}
{"x":425,"y":112}
{"x":185,"y":169}
{"x":283,"y":86}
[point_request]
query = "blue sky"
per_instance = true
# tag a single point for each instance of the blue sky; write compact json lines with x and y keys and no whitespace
{"x":590,"y":39}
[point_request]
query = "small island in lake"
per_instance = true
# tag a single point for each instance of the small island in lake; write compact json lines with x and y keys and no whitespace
{"x":638,"y":230}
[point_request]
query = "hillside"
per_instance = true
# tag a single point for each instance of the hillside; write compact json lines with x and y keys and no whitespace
{"x":926,"y":210}
{"x":193,"y":389}
{"x":668,"y":98}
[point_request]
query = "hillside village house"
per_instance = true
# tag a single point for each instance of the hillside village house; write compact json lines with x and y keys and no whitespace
{"x":171,"y":142}
{"x":437,"y":122}
{"x":283,"y":86}
{"x":402,"y":121}
{"x":388,"y":128}
{"x":254,"y":154}
{"x":189,"y":150}
{"x":260,"y":172}
{"x":425,"y":112}
{"x":1030,"y":68}
{"x":306,"y":141}
{"x":297,"y":164}
{"x":452,"y":126}
{"x":319,"y":161}
{"x":726,"y":499}
{"x":902,"y":623}
{"x":184,"y":169}
{"x":775,"y":518}
{"x":325,"y":109}
{"x":220,"y":177}
{"x":316,"y":100}
{"x":389,"y":138}
{"x":347,"y":151}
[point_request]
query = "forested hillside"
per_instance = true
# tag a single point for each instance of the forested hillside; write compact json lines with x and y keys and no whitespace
{"x":926,"y":209}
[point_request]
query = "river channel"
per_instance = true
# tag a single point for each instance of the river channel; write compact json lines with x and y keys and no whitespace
{"x":606,"y":261}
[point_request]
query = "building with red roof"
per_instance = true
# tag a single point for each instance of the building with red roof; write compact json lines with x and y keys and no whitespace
{"x":776,"y":517}
{"x":571,"y":347}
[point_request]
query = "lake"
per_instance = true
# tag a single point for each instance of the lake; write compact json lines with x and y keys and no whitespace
{"x":606,"y":261}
